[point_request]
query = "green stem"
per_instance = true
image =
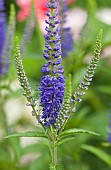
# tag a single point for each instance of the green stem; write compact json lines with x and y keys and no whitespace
{"x":54,"y":158}
{"x":54,"y":153}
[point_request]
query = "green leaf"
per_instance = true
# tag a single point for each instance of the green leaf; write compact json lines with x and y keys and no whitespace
{"x":99,"y":153}
{"x":27,"y":134}
{"x":77,"y":131}
{"x":64,"y":140}
{"x":16,"y":147}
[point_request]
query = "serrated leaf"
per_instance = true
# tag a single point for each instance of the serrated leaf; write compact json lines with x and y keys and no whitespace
{"x":99,"y":153}
{"x":77,"y":131}
{"x":27,"y":134}
{"x":64,"y":140}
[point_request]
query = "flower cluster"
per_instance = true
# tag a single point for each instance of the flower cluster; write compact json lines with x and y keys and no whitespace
{"x":27,"y":92}
{"x":83,"y":86}
{"x":2,"y":35}
{"x":65,"y":32}
{"x":53,"y":82}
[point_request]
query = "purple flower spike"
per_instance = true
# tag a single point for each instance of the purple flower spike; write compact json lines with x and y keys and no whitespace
{"x":65,"y":32}
{"x":2,"y":35}
{"x":53,"y":82}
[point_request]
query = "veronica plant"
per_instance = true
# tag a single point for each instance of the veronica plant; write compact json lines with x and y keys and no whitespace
{"x":6,"y":38}
{"x":56,"y":102}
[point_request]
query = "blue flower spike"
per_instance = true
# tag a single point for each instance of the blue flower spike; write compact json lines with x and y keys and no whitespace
{"x":53,"y":82}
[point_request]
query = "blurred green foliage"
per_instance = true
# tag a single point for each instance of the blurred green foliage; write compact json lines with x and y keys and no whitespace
{"x":92,"y":113}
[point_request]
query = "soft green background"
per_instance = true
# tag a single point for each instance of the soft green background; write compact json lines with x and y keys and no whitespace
{"x":92,"y":113}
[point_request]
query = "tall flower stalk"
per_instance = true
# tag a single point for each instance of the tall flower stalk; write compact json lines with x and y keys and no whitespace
{"x":53,"y":82}
{"x":57,"y":102}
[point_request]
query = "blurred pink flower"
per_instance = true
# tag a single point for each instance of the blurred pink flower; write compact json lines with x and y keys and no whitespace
{"x":39,"y":6}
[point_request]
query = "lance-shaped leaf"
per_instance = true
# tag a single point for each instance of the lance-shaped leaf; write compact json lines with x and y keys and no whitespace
{"x":27,"y":134}
{"x":10,"y":36}
{"x":28,"y":31}
{"x":77,"y":131}
{"x":99,"y":153}
{"x":27,"y":92}
{"x":83,"y":86}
